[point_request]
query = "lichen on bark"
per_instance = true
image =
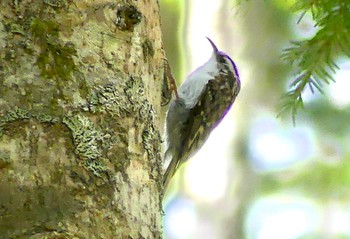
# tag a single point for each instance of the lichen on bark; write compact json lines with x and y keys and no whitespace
{"x":79,"y":119}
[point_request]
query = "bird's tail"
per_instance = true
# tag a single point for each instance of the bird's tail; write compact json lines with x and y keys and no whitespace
{"x":170,"y":171}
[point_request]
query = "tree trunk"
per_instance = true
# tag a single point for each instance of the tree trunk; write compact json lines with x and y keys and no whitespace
{"x":80,"y":94}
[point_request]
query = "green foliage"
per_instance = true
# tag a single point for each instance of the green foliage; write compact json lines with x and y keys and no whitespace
{"x":315,"y":58}
{"x":320,"y":236}
{"x":326,"y":181}
{"x":329,"y":120}
{"x":173,"y":17}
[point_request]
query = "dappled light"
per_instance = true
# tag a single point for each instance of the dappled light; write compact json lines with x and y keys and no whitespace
{"x":260,"y":176}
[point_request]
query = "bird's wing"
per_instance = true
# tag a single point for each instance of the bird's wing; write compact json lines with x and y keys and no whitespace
{"x":213,"y":103}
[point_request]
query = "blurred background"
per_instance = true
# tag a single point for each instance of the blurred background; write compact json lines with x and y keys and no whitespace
{"x":258,"y":176}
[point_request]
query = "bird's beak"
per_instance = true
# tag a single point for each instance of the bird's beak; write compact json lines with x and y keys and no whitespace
{"x":213,"y":45}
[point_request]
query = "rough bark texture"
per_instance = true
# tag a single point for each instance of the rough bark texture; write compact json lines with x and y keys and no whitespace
{"x":80,"y":92}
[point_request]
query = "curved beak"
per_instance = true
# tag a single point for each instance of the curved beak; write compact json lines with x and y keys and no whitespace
{"x":213,"y":45}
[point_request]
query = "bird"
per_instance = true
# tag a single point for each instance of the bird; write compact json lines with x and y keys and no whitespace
{"x":199,"y":105}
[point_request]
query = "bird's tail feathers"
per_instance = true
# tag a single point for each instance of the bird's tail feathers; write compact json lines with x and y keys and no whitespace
{"x":170,"y":171}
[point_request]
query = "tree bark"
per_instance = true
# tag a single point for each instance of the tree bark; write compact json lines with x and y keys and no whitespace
{"x":80,"y":94}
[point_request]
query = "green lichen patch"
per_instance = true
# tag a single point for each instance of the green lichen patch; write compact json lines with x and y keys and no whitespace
{"x":56,"y":58}
{"x":17,"y":28}
{"x":46,"y":118}
{"x":114,"y":134}
{"x":108,"y":99}
{"x":114,"y":142}
{"x":86,"y":142}
{"x":151,"y":140}
{"x":144,"y":110}
{"x":12,"y":116}
{"x":16,"y":114}
{"x":96,"y":167}
{"x":135,"y":92}
{"x":42,"y":29}
{"x":56,"y":3}
{"x":5,"y":158}
{"x":147,"y":49}
{"x":85,"y":136}
{"x":118,"y":102}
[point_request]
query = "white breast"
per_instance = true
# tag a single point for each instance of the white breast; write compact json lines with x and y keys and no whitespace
{"x":190,"y":90}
